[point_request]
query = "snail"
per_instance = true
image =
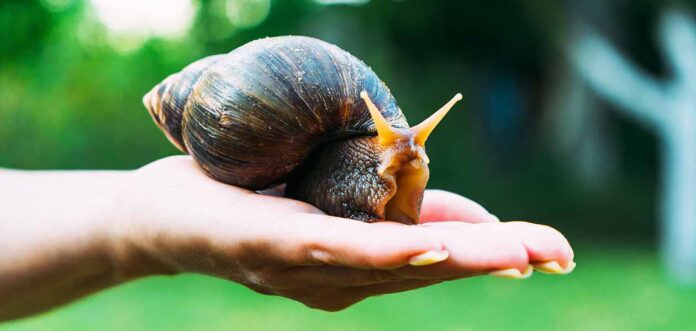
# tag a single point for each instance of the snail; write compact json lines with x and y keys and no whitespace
{"x":303,"y":112}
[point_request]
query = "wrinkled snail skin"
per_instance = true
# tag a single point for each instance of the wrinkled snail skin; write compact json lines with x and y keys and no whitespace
{"x":292,"y":110}
{"x":345,"y":180}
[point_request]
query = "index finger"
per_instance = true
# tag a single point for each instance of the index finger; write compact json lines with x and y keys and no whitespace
{"x":439,"y":205}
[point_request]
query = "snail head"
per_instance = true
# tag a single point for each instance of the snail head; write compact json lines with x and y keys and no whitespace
{"x":403,"y":161}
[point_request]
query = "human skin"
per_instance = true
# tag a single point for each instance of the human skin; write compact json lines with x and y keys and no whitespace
{"x":66,"y":234}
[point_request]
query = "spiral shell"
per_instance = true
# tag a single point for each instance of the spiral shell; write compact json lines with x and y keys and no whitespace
{"x":250,"y":117}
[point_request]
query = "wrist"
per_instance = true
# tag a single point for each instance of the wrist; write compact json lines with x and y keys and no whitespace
{"x":132,"y":233}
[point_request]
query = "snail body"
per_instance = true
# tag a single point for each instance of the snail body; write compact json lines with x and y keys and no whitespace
{"x":289,"y":110}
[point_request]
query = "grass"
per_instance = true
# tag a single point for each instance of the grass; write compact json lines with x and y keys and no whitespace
{"x":611,"y":289}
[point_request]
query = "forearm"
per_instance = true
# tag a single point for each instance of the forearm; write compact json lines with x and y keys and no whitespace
{"x":55,"y":244}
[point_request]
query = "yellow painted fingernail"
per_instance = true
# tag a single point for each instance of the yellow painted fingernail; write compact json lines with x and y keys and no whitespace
{"x":569,"y":268}
{"x":428,"y":258}
{"x":553,"y":267}
{"x":513,"y":273}
{"x":550,"y":267}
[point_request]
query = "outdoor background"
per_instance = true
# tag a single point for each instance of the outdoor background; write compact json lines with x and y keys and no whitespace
{"x":530,"y":141}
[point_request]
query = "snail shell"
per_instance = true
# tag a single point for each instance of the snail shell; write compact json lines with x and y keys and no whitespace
{"x":289,"y":110}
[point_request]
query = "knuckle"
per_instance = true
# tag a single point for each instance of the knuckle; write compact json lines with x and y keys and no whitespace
{"x":260,"y":277}
{"x":317,"y":254}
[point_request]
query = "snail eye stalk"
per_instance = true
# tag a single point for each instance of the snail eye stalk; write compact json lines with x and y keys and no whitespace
{"x":424,"y":129}
{"x":386,"y":134}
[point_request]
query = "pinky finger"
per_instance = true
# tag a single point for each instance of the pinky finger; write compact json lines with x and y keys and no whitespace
{"x":441,"y":206}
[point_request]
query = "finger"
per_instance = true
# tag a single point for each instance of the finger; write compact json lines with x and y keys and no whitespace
{"x":441,"y":205}
{"x":312,"y":239}
{"x":543,"y":243}
{"x":477,"y":249}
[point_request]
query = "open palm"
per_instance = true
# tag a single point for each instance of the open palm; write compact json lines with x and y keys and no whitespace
{"x":182,"y":221}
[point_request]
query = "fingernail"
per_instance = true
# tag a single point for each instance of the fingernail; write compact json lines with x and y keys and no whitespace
{"x":569,"y":268}
{"x":553,"y":267}
{"x":428,"y":258}
{"x":513,"y":273}
{"x":494,"y":217}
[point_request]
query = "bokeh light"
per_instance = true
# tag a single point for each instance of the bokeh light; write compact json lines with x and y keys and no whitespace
{"x":246,"y":14}
{"x":131,"y":22}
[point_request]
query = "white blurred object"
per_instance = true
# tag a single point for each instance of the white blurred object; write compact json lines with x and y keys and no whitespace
{"x":132,"y":22}
{"x":247,"y":13}
{"x":579,"y":130}
{"x":669,"y":109}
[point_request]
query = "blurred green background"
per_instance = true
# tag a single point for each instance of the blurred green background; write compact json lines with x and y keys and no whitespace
{"x":529,"y":141}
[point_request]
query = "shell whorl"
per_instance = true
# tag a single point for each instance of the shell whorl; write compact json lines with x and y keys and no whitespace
{"x":250,"y":117}
{"x":166,"y":101}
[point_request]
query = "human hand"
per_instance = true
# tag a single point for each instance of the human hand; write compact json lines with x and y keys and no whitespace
{"x":173,"y":218}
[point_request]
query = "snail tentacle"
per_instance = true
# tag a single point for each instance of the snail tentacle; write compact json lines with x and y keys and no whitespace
{"x":424,"y":129}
